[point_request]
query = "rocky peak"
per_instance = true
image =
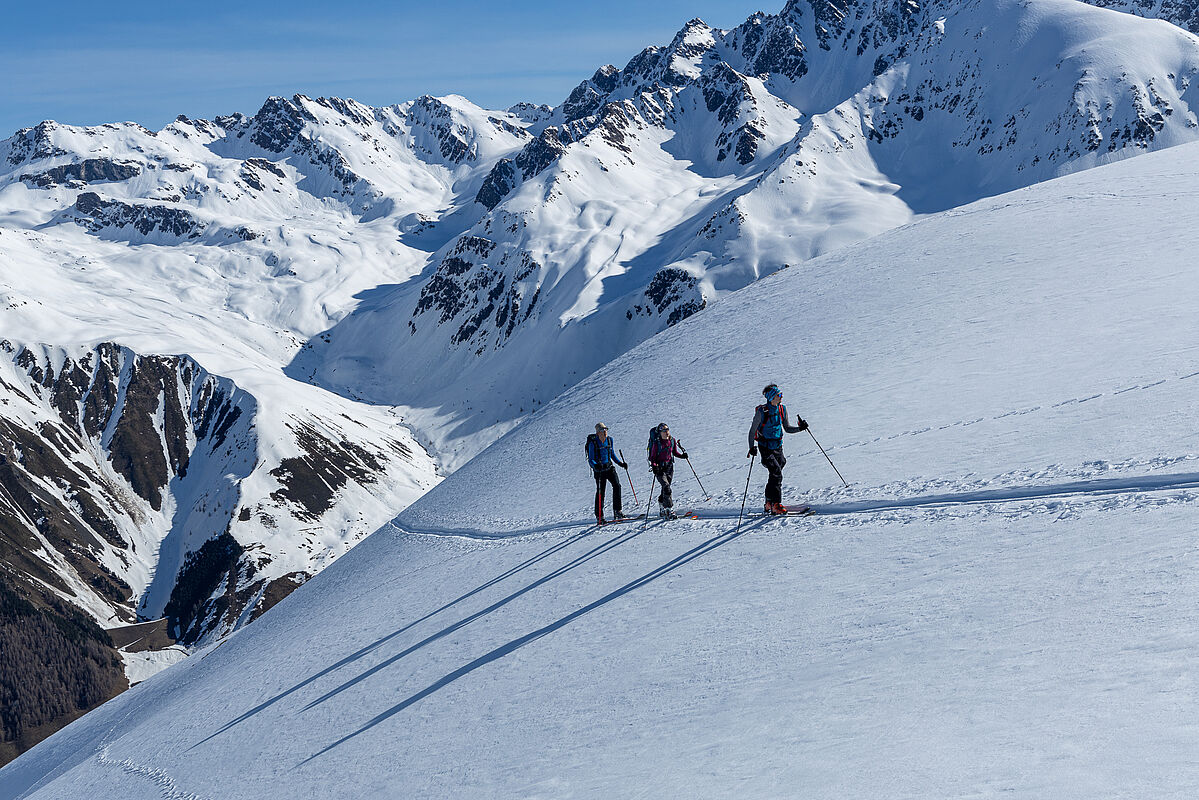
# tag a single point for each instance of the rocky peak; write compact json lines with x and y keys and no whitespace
{"x":350,"y":109}
{"x":686,"y":51}
{"x":455,"y":141}
{"x":533,"y":113}
{"x":279,"y":122}
{"x":589,"y":95}
{"x":30,"y":144}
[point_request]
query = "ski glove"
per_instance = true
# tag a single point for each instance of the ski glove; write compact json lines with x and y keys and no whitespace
{"x":803,"y":426}
{"x":623,"y":464}
{"x":753,"y":451}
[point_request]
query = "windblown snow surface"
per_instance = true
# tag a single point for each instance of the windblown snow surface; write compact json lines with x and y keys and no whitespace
{"x":1002,"y":603}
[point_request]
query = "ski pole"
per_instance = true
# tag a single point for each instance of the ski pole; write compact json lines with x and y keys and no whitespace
{"x":630,"y":477}
{"x":826,"y":458}
{"x":696,"y":474}
{"x":746,"y":495}
{"x":649,"y":494}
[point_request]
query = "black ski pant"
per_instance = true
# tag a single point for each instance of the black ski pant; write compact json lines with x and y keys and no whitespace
{"x":603,"y":476}
{"x":774,"y":461}
{"x":665,"y":474}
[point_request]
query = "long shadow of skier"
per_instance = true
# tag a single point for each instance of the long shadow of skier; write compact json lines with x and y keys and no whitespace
{"x":578,"y":561}
{"x":352,"y":657}
{"x":499,"y":652}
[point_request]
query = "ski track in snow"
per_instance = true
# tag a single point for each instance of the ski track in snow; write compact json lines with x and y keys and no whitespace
{"x":1080,"y":490}
{"x":164,"y":782}
{"x":1019,"y":412}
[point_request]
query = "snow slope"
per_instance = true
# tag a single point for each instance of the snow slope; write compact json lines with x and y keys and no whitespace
{"x":1002,"y":603}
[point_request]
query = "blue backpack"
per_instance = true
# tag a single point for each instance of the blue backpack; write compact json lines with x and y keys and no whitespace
{"x":771,"y":429}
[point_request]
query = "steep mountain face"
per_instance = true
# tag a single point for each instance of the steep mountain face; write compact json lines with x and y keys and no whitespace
{"x":110,"y":460}
{"x":112,"y":465}
{"x":137,"y":487}
{"x":700,"y":166}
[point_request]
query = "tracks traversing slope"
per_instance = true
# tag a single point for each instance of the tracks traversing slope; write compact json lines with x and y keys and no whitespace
{"x":1130,"y":485}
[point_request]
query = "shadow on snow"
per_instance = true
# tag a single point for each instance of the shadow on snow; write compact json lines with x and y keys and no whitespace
{"x":497,"y":653}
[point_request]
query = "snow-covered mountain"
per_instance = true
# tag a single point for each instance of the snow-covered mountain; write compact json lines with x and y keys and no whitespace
{"x":234,"y":347}
{"x":1002,"y":602}
{"x":230,"y":242}
{"x":727,"y":155}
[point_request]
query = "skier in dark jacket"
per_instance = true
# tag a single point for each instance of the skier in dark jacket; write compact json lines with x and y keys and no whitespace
{"x":602,"y":457}
{"x":766,"y":434}
{"x":661,"y":452}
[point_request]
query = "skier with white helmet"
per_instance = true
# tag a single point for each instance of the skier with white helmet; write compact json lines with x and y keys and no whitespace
{"x":766,"y":436}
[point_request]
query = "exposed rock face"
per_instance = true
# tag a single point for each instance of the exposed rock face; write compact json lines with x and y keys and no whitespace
{"x":311,"y":482}
{"x":90,"y":170}
{"x":113,"y":433}
{"x":99,"y":214}
{"x":279,"y":122}
{"x":30,"y":144}
{"x":251,"y":172}
{"x":498,"y":184}
{"x":123,"y":487}
{"x":451,"y":136}
{"x":532,"y":159}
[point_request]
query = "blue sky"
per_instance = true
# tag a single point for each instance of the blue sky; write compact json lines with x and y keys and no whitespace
{"x":86,"y":63}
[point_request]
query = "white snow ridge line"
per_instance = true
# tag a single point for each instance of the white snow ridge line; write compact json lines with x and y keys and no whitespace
{"x":1011,"y":494}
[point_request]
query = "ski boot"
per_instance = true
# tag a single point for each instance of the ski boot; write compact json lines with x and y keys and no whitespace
{"x":667,"y":513}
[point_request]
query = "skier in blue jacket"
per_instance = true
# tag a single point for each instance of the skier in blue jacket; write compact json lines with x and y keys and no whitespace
{"x":766,"y":435}
{"x":601,"y":456}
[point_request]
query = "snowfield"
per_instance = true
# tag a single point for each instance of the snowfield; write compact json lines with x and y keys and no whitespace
{"x":1003,"y":602}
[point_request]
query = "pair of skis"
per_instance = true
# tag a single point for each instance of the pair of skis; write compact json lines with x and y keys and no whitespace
{"x":641,"y":518}
{"x":802,"y":511}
